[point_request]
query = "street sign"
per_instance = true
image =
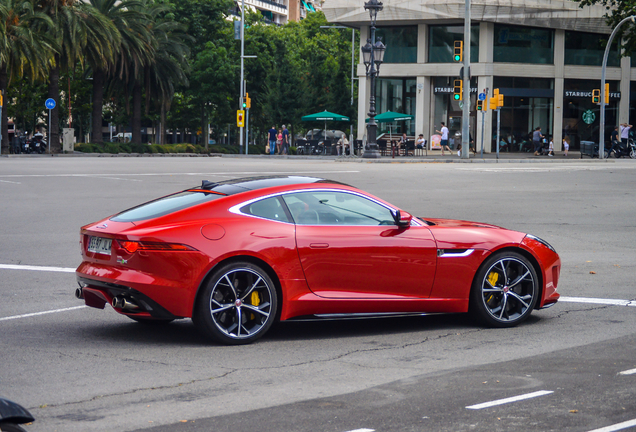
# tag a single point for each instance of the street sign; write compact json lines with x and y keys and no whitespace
{"x":482,"y":96}
{"x":50,"y":103}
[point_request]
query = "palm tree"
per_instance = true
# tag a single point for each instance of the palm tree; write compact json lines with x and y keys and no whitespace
{"x":167,"y":69}
{"x":130,"y":20}
{"x":26,"y":47}
{"x":77,"y":27}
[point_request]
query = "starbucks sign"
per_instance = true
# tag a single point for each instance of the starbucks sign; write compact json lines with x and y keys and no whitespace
{"x":589,"y":116}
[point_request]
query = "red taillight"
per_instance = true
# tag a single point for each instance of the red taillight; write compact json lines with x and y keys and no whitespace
{"x":133,"y":246}
{"x":129,"y":246}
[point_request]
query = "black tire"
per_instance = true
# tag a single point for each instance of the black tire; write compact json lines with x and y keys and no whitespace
{"x":150,"y":321}
{"x":11,"y":427}
{"x":505,"y":290}
{"x":238,"y":304}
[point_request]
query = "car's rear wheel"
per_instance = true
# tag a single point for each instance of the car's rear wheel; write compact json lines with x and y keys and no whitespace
{"x":238,"y":304}
{"x":11,"y":427}
{"x":505,"y":290}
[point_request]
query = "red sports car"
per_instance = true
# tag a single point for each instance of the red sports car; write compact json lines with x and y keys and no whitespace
{"x":237,"y":255}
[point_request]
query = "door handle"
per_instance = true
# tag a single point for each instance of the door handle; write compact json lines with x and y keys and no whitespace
{"x":319,"y":245}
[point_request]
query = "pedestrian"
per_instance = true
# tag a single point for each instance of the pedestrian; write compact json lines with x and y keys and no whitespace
{"x":459,"y":150}
{"x":285,"y":140}
{"x":444,"y":141}
{"x":402,"y":144}
{"x":566,"y":145}
{"x":614,"y":136}
{"x":551,"y":148}
{"x":536,"y":140}
{"x":279,"y":141}
{"x":625,"y":131}
{"x":272,"y":140}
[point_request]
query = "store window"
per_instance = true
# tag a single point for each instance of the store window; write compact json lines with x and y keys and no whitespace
{"x":587,"y":49}
{"x":442,"y":39}
{"x":397,"y":95}
{"x":450,"y":112}
{"x":528,"y":104}
{"x":401,"y":43}
{"x":581,"y":117}
{"x":523,"y":45}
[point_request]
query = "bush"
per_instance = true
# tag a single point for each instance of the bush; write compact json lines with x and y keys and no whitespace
{"x":167,"y":148}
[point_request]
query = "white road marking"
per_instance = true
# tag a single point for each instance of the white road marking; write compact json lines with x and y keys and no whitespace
{"x":616,"y":427}
{"x":510,"y":399}
{"x":7,"y":181}
{"x":362,"y":430}
{"x":41,"y":313}
{"x":611,"y":302}
{"x":628,"y":372}
{"x":37,"y":268}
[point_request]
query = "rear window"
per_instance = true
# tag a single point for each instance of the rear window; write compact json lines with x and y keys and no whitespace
{"x":165,"y":205}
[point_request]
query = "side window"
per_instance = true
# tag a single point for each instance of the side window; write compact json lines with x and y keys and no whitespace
{"x":336,"y":208}
{"x":269,"y":208}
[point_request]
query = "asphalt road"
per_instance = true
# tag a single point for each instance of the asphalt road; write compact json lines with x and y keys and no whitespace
{"x":570,"y":367}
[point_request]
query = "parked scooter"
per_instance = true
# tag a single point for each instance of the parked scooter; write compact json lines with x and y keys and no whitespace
{"x":37,"y":144}
{"x":12,"y":416}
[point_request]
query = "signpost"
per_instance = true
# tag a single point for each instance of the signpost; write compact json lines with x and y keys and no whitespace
{"x":49,"y":104}
{"x":482,"y":97}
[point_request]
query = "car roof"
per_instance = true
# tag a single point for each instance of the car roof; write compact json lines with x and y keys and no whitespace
{"x":234,"y":186}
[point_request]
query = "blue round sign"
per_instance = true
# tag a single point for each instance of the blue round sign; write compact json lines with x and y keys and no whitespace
{"x":50,"y":103}
{"x":482,"y":96}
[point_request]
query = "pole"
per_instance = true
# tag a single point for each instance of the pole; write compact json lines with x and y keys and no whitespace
{"x":601,"y":140}
{"x":242,"y":65}
{"x":247,"y":130}
{"x":465,"y":154}
{"x":483,"y":122}
{"x":498,"y":125}
{"x":49,"y":132}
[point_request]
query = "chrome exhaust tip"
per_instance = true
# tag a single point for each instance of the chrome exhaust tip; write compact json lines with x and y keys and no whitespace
{"x":78,"y":293}
{"x":120,"y":302}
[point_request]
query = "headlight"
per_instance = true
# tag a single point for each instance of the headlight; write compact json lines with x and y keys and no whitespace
{"x":543,"y":242}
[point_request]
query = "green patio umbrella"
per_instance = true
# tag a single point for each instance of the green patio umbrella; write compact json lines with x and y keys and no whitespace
{"x":390,"y":116}
{"x":325,"y":116}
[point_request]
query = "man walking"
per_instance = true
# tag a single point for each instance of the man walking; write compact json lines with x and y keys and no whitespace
{"x":285,"y":140}
{"x":271,"y":137}
{"x":444,"y":140}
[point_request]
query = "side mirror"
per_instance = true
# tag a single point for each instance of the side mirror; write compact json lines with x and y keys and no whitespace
{"x":402,"y":218}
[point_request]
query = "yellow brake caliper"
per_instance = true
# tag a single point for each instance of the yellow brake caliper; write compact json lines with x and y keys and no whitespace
{"x":493,"y":277}
{"x":255,"y":300}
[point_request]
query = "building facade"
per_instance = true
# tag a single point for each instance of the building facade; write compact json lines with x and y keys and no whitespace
{"x":544,"y":56}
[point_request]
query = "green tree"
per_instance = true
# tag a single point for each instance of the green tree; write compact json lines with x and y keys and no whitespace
{"x":130,"y":21}
{"x":618,"y":10}
{"x":26,"y":48}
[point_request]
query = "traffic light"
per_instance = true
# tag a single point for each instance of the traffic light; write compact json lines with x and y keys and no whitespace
{"x":248,"y":101}
{"x":240,"y":118}
{"x":243,"y":103}
{"x":596,"y":96}
{"x":500,"y":101}
{"x":606,"y":93}
{"x":458,"y":52}
{"x":459,"y":86}
{"x":480,"y":105}
{"x":493,"y":103}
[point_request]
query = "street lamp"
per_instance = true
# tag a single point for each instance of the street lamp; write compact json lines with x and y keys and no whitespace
{"x":373,"y":55}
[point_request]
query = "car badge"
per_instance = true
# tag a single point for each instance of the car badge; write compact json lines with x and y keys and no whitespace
{"x":103,"y":226}
{"x":122,"y":261}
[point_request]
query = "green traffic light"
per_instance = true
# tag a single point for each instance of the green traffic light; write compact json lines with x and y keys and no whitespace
{"x":456,"y":96}
{"x":457,"y":58}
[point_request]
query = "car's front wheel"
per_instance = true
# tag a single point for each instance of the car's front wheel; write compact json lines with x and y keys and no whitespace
{"x":505,"y":290}
{"x":238,"y":305}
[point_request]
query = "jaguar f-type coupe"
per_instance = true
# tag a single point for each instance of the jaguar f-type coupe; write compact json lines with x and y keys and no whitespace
{"x":238,"y":255}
